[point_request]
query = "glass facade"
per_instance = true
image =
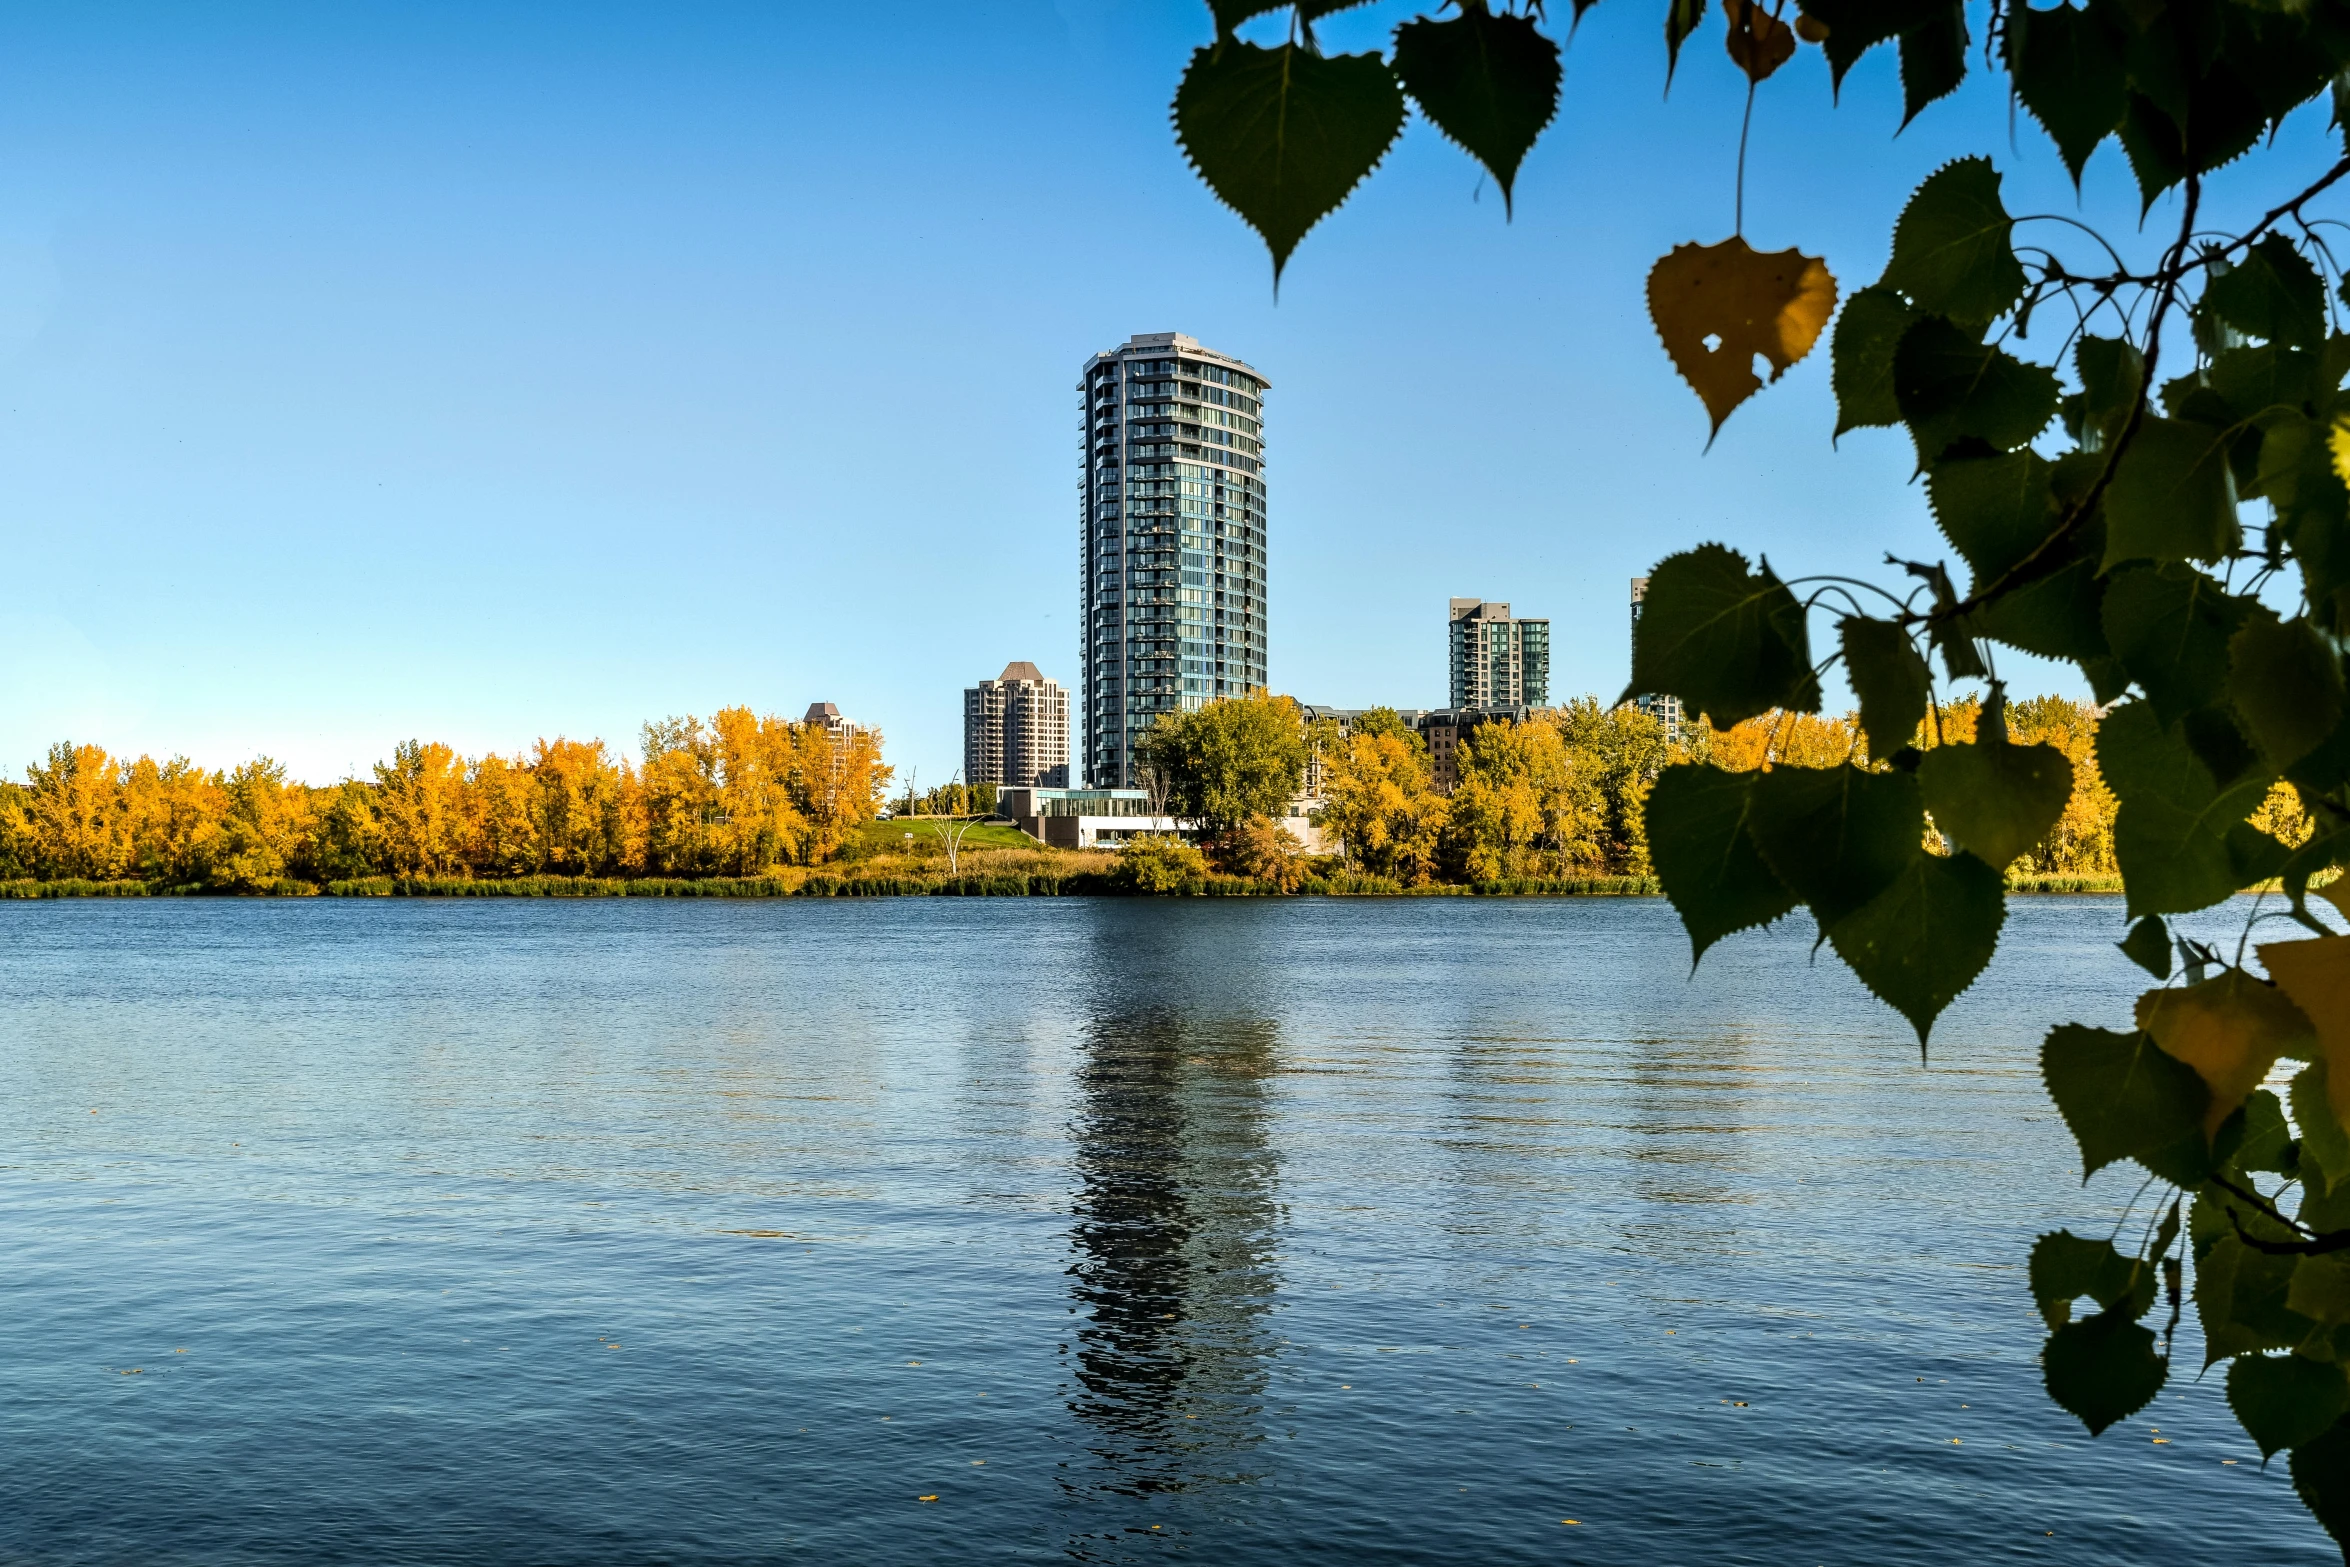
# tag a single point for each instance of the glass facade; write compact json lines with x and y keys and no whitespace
{"x":1172,"y":542}
{"x":1494,"y":660}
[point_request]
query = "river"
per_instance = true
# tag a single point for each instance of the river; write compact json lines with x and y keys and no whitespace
{"x":923,"y":1230}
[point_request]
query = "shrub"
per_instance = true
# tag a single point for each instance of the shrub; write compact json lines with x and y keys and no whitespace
{"x":1158,"y":865}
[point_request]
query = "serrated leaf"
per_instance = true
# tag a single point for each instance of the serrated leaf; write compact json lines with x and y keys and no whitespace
{"x":1861,"y":368}
{"x":2111,"y":370}
{"x":2325,"y":1147}
{"x":1728,"y":642}
{"x":1996,"y":801}
{"x":1282,"y":135}
{"x":2262,"y":381}
{"x":1717,"y":882}
{"x":1717,"y":307}
{"x":1953,"y":250}
{"x":2321,"y":1478}
{"x":2122,"y":1096}
{"x":2314,"y":975}
{"x":2173,"y":497}
{"x":1489,"y":80}
{"x":2268,"y":1139}
{"x":2148,"y":946}
{"x":1950,"y":386}
{"x":2230,"y":1029}
{"x":1922,"y":941}
{"x":2170,"y":832}
{"x":2286,"y":1400}
{"x":2273,"y":294}
{"x":2065,"y":1267}
{"x":2060,"y":615}
{"x":2170,"y":627}
{"x":1890,"y":678}
{"x":1837,"y":836}
{"x":1853,"y":27}
{"x":1933,"y":59}
{"x":1993,"y":510}
{"x":2240,"y":1293}
{"x":2103,"y":1368}
{"x":2067,"y":68}
{"x":1681,"y":19}
{"x":2286,"y":684}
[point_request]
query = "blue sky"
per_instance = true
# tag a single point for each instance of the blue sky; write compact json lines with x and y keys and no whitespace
{"x":482,"y":372}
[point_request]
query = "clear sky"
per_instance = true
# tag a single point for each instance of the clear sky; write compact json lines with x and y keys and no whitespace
{"x":484,"y":371}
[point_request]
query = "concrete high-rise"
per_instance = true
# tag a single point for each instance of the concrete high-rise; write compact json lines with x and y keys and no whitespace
{"x":1172,"y":547}
{"x":1497,"y":661}
{"x":1016,"y":730}
{"x":1666,"y":710}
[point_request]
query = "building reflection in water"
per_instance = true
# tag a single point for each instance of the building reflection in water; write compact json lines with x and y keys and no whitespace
{"x":1172,"y":1271}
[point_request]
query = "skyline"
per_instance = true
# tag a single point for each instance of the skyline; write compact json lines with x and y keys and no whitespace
{"x":421,"y":373}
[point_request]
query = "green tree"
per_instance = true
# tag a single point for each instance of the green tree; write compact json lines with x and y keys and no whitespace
{"x":2088,"y":482}
{"x":1232,"y":760}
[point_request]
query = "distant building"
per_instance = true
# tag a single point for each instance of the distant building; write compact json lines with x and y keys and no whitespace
{"x":1666,"y":710}
{"x":1497,"y":661}
{"x":1016,"y":730}
{"x":1444,"y":729}
{"x":1087,"y":818}
{"x":828,"y":716}
{"x":1171,"y":539}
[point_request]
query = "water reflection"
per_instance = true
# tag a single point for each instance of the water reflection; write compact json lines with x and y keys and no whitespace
{"x":1172,"y":1269}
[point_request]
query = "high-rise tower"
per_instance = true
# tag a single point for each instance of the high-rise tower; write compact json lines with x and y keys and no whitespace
{"x":1172,"y":597}
{"x":1494,"y":659}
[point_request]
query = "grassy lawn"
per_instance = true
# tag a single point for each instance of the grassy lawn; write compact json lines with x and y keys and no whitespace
{"x":985,"y":835}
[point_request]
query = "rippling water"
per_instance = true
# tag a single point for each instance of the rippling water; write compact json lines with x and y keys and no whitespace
{"x":937,"y":1229}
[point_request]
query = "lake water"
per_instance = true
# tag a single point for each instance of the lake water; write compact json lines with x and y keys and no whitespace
{"x":926,"y":1230}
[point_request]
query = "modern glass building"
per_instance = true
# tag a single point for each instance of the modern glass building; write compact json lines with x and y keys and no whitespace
{"x":1172,"y":545}
{"x":1666,"y":710}
{"x":1496,"y":661}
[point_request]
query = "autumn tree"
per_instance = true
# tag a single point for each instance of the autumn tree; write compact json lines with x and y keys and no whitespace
{"x":1379,"y":803}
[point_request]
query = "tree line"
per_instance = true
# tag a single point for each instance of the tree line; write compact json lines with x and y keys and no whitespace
{"x":735,"y":796}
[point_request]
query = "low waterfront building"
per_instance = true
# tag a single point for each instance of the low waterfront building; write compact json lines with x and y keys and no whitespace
{"x":1016,"y":730}
{"x":1087,"y":818}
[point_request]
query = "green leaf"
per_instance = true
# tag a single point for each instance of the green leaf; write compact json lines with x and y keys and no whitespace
{"x":1487,"y":79}
{"x":1993,"y":510}
{"x":1949,"y":386}
{"x":2103,"y":1368}
{"x":2325,"y":1147}
{"x":2148,"y":946}
{"x":2066,"y":66}
{"x":2171,"y":627}
{"x":1922,"y":941}
{"x":2060,"y":615}
{"x":2170,"y":833}
{"x":2066,"y":1266}
{"x":2274,"y":294}
{"x":2321,"y":1478}
{"x":2157,"y":157}
{"x":2270,"y":379}
{"x":1837,"y":836}
{"x":2111,"y":370}
{"x":2286,"y":684}
{"x":1890,"y":678}
{"x":1952,"y":251}
{"x":2122,"y":1096}
{"x":1681,"y":19}
{"x":1728,"y":642}
{"x":1861,"y":360}
{"x":1282,"y":135}
{"x":2173,"y":497}
{"x":1996,"y":801}
{"x":1696,"y":819}
{"x":1856,"y":26}
{"x":2320,"y":1289}
{"x":2268,"y":1138}
{"x":1933,"y":60}
{"x":2286,"y":1400}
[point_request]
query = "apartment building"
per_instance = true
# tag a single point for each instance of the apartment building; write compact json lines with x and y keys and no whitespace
{"x":1016,"y":730}
{"x":1494,"y":659}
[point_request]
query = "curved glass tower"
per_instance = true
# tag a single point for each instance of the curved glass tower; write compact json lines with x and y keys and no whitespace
{"x":1172,"y":545}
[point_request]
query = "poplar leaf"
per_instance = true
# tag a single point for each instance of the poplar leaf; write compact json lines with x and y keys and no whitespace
{"x":1282,"y":135}
{"x":2325,"y":1147}
{"x":1837,"y":836}
{"x":1853,"y":27}
{"x":2273,"y":294}
{"x":2111,"y":369}
{"x":2065,"y":1267}
{"x":1681,"y":19}
{"x":2230,"y":1030}
{"x":1696,"y":819}
{"x":1889,"y":676}
{"x":2103,"y":1368}
{"x":1993,"y":510}
{"x":1728,"y":642}
{"x":1952,"y":251}
{"x":2170,"y":626}
{"x":2123,"y":1097}
{"x":2173,"y":497}
{"x":1861,"y":362}
{"x":1933,"y":59}
{"x":2321,"y":1478}
{"x":1950,"y":386}
{"x":2286,"y":684}
{"x":1996,"y":801}
{"x":1489,"y":80}
{"x":1759,"y":42}
{"x":2286,"y":1400}
{"x":1718,"y":307}
{"x":2148,"y":946}
{"x":2066,"y":66}
{"x":2314,"y":976}
{"x":1925,"y":938}
{"x":2171,"y":831}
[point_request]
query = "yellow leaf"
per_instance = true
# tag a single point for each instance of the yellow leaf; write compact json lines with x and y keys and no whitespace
{"x":2315,"y":974}
{"x":1717,"y":306}
{"x":1759,"y":41}
{"x":2341,"y":445}
{"x":2230,"y":1030}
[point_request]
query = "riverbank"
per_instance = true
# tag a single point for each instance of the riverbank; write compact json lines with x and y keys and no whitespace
{"x":821,"y":884}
